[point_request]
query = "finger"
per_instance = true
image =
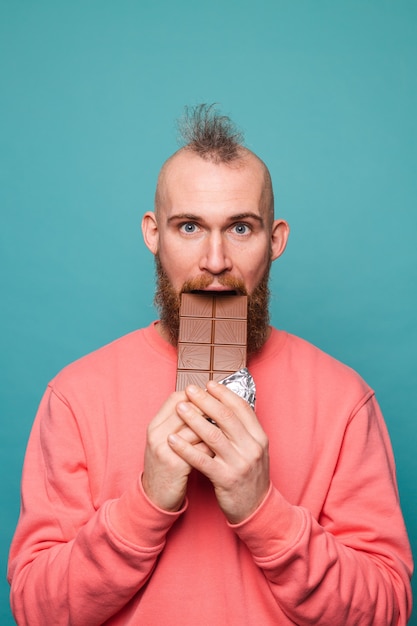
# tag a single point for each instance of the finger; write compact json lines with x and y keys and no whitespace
{"x":168,"y":410}
{"x":167,"y":419}
{"x":187,"y":434}
{"x":199,"y":456}
{"x":230,"y":412}
{"x":231,"y":399}
{"x":193,"y":438}
{"x":240,"y":407}
{"x":204,"y":448}
{"x":223,"y":446}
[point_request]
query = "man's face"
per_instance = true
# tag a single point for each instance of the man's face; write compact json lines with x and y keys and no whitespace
{"x":212,"y":230}
{"x":168,"y":302}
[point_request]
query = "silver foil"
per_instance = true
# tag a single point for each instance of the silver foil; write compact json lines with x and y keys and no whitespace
{"x":242,"y":383}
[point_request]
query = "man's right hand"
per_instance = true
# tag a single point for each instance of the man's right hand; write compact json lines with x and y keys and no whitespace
{"x":165,"y":474}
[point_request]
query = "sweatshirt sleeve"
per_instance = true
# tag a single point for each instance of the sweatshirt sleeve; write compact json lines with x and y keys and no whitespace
{"x":68,"y":557}
{"x":353,"y":565}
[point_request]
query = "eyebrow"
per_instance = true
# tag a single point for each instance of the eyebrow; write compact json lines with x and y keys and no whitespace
{"x":233,"y":218}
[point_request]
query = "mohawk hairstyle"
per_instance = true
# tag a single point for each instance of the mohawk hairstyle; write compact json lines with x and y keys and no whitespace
{"x":212,"y":136}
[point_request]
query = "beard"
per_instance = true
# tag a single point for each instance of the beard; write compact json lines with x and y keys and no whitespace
{"x":168,"y":301}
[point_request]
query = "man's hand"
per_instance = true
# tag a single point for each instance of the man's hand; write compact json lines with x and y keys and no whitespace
{"x":238,"y":465}
{"x":165,"y":473}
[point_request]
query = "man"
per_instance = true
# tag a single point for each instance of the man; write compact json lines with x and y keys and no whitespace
{"x":136,"y":509}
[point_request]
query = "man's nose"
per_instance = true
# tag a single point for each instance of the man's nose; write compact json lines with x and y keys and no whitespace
{"x":215,"y":258}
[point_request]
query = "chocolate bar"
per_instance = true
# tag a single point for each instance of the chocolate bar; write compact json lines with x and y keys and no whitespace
{"x":212,"y":337}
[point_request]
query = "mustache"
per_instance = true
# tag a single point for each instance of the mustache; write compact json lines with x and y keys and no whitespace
{"x":203,"y":282}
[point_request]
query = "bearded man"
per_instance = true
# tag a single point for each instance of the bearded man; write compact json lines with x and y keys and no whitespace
{"x":137,"y":509}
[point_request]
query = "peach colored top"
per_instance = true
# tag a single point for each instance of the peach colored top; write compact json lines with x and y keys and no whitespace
{"x":345,"y":561}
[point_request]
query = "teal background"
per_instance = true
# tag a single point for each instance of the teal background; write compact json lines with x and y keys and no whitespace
{"x":326,"y":92}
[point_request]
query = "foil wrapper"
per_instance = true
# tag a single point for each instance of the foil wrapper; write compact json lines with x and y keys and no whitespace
{"x":242,"y":383}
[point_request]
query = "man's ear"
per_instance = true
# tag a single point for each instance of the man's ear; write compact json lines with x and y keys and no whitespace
{"x":150,"y":231}
{"x":279,"y":237}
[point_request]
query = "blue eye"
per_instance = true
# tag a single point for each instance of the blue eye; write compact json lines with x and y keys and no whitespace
{"x":241,"y":229}
{"x":188,"y":227}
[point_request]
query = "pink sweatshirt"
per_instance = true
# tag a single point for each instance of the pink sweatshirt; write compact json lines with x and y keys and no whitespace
{"x":327,"y":545}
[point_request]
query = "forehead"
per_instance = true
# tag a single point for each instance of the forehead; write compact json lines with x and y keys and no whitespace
{"x":187,"y":178}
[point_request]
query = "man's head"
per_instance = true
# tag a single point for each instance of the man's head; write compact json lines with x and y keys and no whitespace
{"x":213,"y":227}
{"x":214,"y":138}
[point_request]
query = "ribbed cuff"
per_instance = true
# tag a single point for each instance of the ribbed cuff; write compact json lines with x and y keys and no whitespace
{"x":272,"y":528}
{"x":138,"y":520}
